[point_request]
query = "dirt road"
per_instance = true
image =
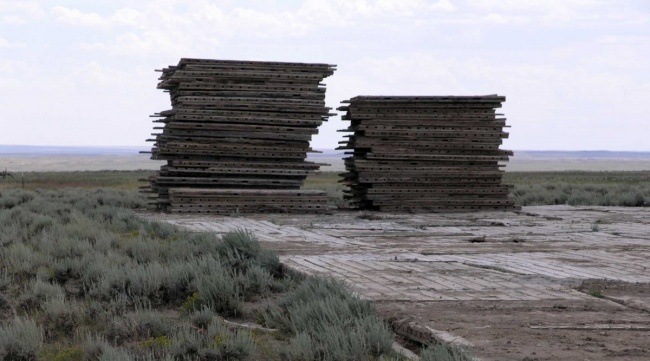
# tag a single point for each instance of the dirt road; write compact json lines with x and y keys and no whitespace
{"x":547,"y":283}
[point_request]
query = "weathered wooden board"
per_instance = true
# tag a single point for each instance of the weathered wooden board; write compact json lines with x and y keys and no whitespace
{"x":425,"y":153}
{"x":236,"y":127}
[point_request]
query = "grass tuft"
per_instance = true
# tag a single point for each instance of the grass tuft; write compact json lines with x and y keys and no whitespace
{"x":20,"y":340}
{"x":445,"y":352}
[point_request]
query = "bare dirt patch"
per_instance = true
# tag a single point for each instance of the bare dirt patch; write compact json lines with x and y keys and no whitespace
{"x":589,"y":329}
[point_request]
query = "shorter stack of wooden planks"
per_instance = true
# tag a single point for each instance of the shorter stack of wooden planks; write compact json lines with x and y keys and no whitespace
{"x":425,"y":153}
{"x":237,"y":136}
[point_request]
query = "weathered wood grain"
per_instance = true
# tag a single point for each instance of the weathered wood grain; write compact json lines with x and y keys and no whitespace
{"x":238,"y":127}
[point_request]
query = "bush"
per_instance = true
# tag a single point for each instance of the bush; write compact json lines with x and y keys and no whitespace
{"x":225,"y":344}
{"x":139,"y":325}
{"x":38,"y":292}
{"x":61,"y":318}
{"x":20,"y":340}
{"x":323,"y":313}
{"x":202,"y":318}
{"x":445,"y":352}
{"x":79,"y":260}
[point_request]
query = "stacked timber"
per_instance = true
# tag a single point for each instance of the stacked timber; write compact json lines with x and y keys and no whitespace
{"x":427,"y":154}
{"x":237,"y":136}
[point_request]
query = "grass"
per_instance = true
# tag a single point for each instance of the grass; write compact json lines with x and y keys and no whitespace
{"x":630,"y":189}
{"x":83,"y":278}
{"x":595,"y":292}
{"x":445,"y":352}
{"x":122,"y":180}
{"x":328,"y":181}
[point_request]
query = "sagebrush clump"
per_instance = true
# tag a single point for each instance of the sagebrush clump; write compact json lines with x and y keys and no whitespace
{"x":82,"y":277}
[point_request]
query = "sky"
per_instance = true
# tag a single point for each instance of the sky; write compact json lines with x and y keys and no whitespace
{"x":575,"y":73}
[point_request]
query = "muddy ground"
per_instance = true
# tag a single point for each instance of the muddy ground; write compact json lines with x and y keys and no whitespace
{"x":546,"y":283}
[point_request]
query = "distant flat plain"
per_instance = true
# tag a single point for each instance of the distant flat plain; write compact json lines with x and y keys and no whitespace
{"x":53,"y":159}
{"x":72,"y":162}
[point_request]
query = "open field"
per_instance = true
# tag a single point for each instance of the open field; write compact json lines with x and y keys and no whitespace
{"x":76,"y":162}
{"x":111,"y":179}
{"x":580,"y":188}
{"x":530,"y":188}
{"x":521,"y":162}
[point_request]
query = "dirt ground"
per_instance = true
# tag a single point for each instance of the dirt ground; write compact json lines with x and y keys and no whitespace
{"x":546,"y":283}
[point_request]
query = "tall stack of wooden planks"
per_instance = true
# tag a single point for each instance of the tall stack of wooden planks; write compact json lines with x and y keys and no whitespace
{"x":425,"y":153}
{"x":237,"y":136}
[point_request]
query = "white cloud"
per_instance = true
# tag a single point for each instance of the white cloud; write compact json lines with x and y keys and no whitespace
{"x":127,"y":17}
{"x":20,"y":11}
{"x":77,"y":18}
{"x":555,"y":11}
{"x":97,"y":75}
{"x":532,"y":5}
{"x":571,"y":69}
{"x":170,"y":27}
{"x":28,"y":7}
{"x":500,"y":19}
{"x":549,"y":103}
{"x":411,"y":7}
{"x":122,"y":17}
{"x":4,"y":43}
{"x":14,"y":20}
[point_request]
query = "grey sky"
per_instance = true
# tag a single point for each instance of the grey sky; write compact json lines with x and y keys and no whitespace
{"x":575,"y":72}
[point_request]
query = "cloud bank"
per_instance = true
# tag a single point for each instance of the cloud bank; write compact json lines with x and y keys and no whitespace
{"x":574,"y":71}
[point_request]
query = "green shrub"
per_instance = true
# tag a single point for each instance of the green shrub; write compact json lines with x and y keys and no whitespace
{"x":240,"y":249}
{"x":445,"y":352}
{"x":6,"y":279}
{"x":222,"y":293}
{"x":139,"y":324}
{"x":38,"y":292}
{"x":186,"y":342}
{"x":21,"y":260}
{"x":70,"y":354}
{"x":256,"y":281}
{"x":61,"y":317}
{"x":226,"y":344}
{"x":96,"y":347}
{"x":80,"y":261}
{"x":301,"y":348}
{"x":20,"y":340}
{"x":202,"y":318}
{"x":340,"y":326}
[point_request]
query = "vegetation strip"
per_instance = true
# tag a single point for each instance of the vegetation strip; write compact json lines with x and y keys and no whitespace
{"x":628,"y":189}
{"x":83,"y":278}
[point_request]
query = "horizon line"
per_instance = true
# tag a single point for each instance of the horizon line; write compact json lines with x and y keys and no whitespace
{"x":144,"y":148}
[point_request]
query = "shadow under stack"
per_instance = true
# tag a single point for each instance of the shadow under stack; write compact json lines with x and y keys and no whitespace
{"x":237,"y":136}
{"x":425,"y":154}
